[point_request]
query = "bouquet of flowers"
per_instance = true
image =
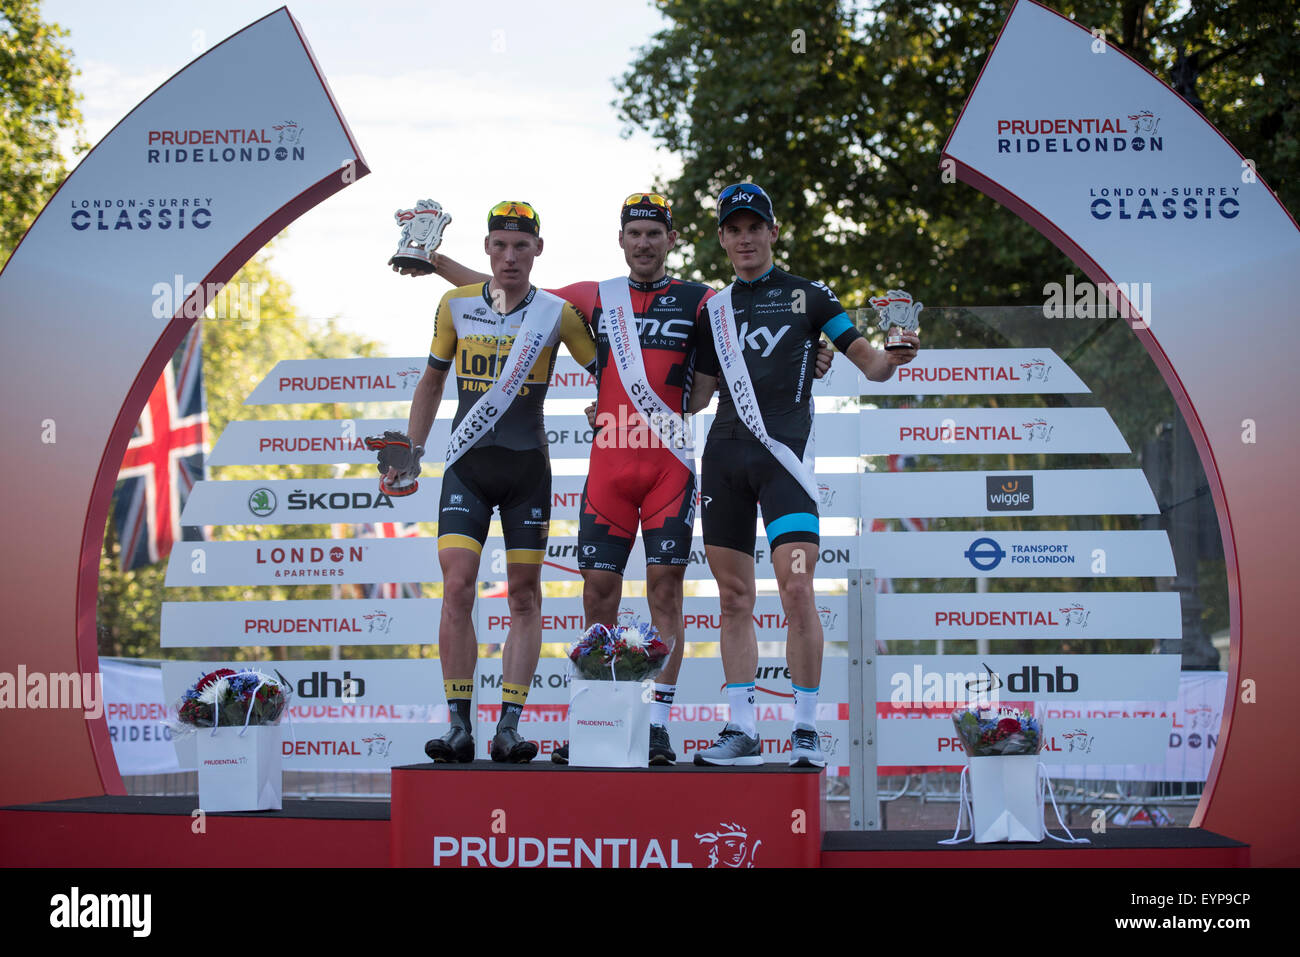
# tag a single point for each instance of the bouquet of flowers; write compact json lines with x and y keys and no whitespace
{"x":226,"y":698}
{"x":623,"y":653}
{"x":1001,"y":732}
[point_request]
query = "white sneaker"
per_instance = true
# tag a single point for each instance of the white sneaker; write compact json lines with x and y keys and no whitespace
{"x":806,"y":749}
{"x":732,"y":748}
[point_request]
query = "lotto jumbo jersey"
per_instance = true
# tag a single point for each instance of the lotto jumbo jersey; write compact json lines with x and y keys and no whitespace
{"x":778,"y":319}
{"x":477,"y":339}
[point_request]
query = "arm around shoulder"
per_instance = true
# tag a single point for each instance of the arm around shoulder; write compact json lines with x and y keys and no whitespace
{"x":702,"y":389}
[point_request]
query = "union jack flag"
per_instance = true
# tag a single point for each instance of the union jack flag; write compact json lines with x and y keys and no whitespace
{"x":163,"y":460}
{"x":391,"y":530}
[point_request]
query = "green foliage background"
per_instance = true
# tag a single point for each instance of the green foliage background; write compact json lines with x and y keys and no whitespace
{"x":36,"y":102}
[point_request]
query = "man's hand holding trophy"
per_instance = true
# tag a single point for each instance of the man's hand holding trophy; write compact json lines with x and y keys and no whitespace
{"x":897,"y":314}
{"x":421,"y":233}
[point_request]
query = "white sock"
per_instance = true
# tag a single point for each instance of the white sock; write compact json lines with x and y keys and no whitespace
{"x":805,"y":707}
{"x":662,"y":704}
{"x":741,"y":699}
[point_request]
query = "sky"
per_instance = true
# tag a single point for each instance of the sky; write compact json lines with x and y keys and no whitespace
{"x":465,"y":103}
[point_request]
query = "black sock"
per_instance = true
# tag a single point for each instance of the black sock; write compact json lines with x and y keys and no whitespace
{"x":459,"y":713}
{"x":510,"y":716}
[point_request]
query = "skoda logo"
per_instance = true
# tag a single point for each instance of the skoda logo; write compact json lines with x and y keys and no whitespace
{"x":985,"y":554}
{"x":261,"y":501}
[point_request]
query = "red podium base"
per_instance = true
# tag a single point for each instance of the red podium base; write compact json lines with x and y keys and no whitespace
{"x":543,"y":815}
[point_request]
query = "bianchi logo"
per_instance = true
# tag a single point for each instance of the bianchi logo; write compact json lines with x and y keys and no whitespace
{"x":729,"y":846}
{"x":261,"y":502}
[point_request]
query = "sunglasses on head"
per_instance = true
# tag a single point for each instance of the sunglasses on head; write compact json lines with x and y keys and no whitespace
{"x":654,"y":199}
{"x":519,"y":210}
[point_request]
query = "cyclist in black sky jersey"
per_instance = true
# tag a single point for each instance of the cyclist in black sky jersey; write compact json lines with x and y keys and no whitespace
{"x":759,"y":454}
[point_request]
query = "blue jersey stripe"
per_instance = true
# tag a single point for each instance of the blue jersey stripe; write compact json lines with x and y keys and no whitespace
{"x":794,"y":522}
{"x":838,"y":326}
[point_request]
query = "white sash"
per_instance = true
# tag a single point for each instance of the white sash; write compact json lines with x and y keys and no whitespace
{"x":531,"y":339}
{"x":742,"y":395}
{"x":625,"y":346}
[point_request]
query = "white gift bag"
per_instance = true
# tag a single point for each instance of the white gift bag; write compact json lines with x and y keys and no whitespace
{"x":609,"y":724}
{"x":239,"y":768}
{"x":1002,"y":811}
{"x":1006,"y":799}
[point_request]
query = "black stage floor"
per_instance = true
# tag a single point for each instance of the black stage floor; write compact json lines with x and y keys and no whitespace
{"x":900,"y":840}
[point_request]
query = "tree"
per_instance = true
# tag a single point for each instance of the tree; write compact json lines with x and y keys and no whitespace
{"x":36,"y":102}
{"x":842,"y":112}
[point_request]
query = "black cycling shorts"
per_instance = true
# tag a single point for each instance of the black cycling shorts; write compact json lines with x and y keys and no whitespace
{"x":516,"y":482}
{"x":739,"y":476}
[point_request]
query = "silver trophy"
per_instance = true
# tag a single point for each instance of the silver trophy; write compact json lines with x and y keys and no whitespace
{"x":421,"y":233}
{"x":897,"y":313}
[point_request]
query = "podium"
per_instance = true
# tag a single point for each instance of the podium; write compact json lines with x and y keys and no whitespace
{"x":544,"y":815}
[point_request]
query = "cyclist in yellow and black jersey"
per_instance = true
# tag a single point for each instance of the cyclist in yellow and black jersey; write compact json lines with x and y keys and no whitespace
{"x":469,"y":333}
{"x":501,"y":336}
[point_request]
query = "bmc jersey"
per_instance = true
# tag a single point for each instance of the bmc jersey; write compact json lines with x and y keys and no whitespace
{"x":629,"y":484}
{"x":779,"y":318}
{"x":478,"y":339}
{"x":671,"y":320}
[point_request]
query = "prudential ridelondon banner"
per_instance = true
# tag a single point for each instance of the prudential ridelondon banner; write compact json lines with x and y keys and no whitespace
{"x":134,"y":244}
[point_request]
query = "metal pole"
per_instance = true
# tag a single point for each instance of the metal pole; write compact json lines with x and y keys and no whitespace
{"x":864,"y":804}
